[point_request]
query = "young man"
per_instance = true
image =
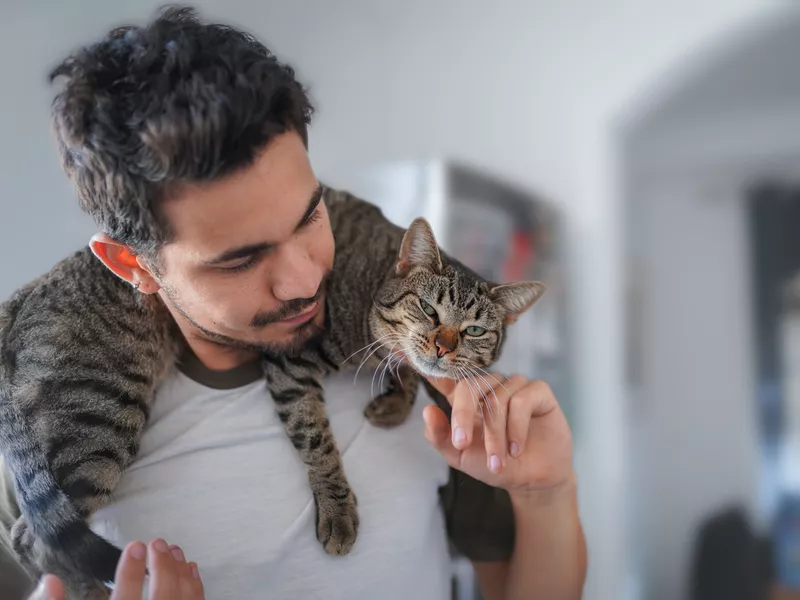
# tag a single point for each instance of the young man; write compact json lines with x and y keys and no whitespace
{"x":187,"y":144}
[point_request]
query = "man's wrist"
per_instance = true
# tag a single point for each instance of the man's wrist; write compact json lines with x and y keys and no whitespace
{"x":523,"y":498}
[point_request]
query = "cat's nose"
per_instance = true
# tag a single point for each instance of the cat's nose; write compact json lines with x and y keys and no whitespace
{"x":446,"y":341}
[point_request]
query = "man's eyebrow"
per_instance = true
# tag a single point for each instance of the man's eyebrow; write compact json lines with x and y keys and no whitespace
{"x":252,"y":249}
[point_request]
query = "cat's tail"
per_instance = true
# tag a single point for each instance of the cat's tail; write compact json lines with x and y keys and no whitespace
{"x":49,"y":512}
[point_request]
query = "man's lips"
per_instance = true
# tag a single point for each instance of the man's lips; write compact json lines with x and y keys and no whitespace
{"x":309,"y":314}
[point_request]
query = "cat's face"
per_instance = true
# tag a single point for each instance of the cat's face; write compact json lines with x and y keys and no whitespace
{"x":443,"y":318}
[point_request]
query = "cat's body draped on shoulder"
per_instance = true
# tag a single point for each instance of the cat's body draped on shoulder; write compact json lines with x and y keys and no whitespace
{"x":82,"y":354}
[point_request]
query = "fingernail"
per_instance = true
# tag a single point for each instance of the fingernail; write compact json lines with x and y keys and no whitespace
{"x":195,"y":571}
{"x":177,"y":554}
{"x":514,"y":449}
{"x":138,"y":551}
{"x":494,"y":463}
{"x":161,"y":546}
{"x":459,"y":436}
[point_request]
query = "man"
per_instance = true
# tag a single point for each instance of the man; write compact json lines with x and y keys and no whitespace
{"x":187,"y":145}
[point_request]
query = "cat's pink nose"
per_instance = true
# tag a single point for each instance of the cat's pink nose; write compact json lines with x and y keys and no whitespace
{"x":446,"y":341}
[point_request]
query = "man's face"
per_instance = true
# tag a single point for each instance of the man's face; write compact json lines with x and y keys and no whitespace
{"x":251,"y":253}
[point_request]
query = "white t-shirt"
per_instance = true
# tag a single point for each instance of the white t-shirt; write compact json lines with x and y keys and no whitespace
{"x":217,"y":475}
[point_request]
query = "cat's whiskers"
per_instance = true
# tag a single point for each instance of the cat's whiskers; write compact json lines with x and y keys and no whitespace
{"x":397,"y":364}
{"x":485,"y":372}
{"x":465,"y":379}
{"x":385,"y":359}
{"x":473,"y":387}
{"x":396,"y":340}
{"x":472,"y":374}
{"x":379,"y":340}
{"x":492,"y":388}
{"x":387,"y":366}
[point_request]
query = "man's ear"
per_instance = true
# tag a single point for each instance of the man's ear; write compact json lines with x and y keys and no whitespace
{"x":122,"y":261}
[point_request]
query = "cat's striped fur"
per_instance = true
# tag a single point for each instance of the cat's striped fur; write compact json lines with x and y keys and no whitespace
{"x":81,"y":354}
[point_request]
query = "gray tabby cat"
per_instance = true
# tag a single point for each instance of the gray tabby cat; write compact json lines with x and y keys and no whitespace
{"x":81,"y":355}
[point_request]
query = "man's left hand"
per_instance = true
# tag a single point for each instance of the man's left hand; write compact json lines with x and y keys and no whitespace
{"x":506,"y":432}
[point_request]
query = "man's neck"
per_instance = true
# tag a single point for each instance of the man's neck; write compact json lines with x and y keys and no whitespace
{"x":215,"y":356}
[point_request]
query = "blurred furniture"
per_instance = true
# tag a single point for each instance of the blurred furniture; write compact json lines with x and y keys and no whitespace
{"x":780,"y":593}
{"x":730,"y":562}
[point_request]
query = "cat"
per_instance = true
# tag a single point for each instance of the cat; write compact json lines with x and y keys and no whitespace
{"x":82,"y":353}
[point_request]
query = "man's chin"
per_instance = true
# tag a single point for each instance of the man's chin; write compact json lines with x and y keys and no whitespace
{"x":302,"y":338}
{"x":293,"y":342}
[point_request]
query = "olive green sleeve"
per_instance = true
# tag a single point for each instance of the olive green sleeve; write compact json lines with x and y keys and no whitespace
{"x":479,"y":517}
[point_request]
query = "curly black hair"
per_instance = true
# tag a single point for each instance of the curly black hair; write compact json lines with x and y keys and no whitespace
{"x":178,"y":100}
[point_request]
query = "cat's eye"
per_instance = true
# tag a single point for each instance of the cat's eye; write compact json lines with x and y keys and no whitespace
{"x":427,"y":308}
{"x":475,"y":331}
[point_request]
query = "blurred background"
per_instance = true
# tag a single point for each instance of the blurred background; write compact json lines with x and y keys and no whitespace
{"x":642,"y":157}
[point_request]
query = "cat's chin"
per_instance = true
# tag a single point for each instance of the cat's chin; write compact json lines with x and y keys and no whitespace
{"x":430,"y":368}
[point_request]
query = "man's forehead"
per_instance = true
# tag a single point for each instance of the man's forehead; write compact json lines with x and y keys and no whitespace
{"x":262,"y":203}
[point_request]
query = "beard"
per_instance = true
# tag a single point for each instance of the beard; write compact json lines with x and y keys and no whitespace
{"x":304,"y":336}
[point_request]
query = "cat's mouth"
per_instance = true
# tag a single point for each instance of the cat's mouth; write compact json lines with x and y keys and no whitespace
{"x":430,"y":367}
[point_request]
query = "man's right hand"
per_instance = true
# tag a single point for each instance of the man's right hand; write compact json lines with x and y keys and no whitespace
{"x":171,"y":577}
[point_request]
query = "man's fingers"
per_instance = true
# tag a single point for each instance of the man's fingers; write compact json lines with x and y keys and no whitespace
{"x":186,"y":583}
{"x":164,"y":572}
{"x":129,"y":579}
{"x":437,"y":431}
{"x":532,"y":397}
{"x":49,"y":588}
{"x":463,"y":417}
{"x":497,"y":391}
{"x":195,"y":583}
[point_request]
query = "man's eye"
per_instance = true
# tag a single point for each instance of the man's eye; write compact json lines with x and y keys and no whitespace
{"x":243,"y":266}
{"x":313,"y":217}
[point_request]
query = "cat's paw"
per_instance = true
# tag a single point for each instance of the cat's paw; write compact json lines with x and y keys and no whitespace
{"x":388,"y":410}
{"x":22,"y":541}
{"x":337,"y":524}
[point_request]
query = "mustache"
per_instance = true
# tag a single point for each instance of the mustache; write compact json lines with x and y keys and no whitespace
{"x":290,"y":308}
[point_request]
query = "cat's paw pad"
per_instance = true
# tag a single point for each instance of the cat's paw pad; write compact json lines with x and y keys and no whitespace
{"x":337,"y":524}
{"x":388,"y":410}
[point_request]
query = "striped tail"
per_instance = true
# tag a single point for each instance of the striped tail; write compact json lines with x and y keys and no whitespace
{"x":51,"y":516}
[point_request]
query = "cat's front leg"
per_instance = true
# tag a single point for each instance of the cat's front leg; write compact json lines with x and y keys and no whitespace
{"x":301,"y":408}
{"x":392,"y":408}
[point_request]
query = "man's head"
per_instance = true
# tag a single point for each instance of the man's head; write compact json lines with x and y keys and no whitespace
{"x":186,"y":142}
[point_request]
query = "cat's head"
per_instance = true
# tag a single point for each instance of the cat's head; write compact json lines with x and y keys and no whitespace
{"x":444,"y":318}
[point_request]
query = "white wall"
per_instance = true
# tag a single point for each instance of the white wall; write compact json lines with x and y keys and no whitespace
{"x":530,"y":89}
{"x":695,"y":428}
{"x":688,"y":164}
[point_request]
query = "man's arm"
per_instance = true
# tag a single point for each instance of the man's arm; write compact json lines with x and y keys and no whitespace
{"x":525,"y":450}
{"x":549,"y":559}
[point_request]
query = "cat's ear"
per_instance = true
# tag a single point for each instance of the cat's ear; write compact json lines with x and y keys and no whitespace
{"x":418,"y":249}
{"x":516,"y":298}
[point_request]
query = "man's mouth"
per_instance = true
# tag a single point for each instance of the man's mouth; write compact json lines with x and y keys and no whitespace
{"x":304,"y":316}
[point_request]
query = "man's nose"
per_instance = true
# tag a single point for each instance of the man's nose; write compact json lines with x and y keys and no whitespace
{"x":296,"y":275}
